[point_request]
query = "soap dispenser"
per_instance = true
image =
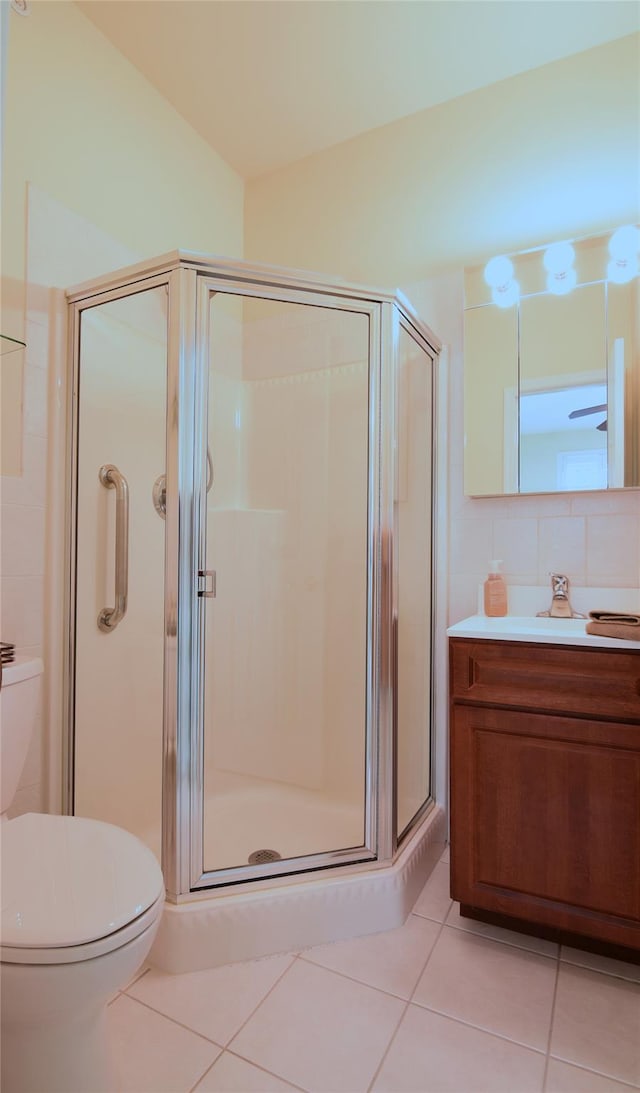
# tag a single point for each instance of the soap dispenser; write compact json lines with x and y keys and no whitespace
{"x":495,"y":592}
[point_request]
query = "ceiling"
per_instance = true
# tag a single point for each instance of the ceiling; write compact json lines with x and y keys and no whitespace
{"x":267,"y":82}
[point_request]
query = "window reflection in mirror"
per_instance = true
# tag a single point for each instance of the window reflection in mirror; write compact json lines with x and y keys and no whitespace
{"x":552,"y":370}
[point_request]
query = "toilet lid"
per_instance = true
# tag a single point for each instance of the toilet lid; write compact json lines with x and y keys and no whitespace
{"x":69,"y":881}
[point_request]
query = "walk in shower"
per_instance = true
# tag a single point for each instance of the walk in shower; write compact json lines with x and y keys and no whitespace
{"x":250,"y":569}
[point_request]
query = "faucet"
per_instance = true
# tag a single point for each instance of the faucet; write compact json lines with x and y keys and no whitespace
{"x":560,"y":606}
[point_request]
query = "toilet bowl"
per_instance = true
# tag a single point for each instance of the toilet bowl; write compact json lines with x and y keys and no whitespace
{"x":81,"y":904}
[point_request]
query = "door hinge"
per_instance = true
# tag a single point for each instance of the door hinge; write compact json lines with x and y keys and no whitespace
{"x":207,"y":583}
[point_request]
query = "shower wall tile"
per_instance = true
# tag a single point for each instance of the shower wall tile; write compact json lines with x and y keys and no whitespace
{"x":30,"y":487}
{"x":35,"y":401}
{"x":37,"y":338}
{"x":23,"y":541}
{"x":22,"y":621}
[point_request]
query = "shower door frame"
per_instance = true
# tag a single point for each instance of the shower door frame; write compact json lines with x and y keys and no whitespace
{"x":190,"y":279}
{"x":405,"y":319}
{"x":285,"y":288}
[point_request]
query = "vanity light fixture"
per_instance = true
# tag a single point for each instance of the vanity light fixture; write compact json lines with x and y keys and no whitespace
{"x":561,"y":275}
{"x":498,"y":273}
{"x":623,"y":248}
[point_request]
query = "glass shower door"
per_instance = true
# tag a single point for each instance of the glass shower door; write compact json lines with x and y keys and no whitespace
{"x":118,"y":617}
{"x":286,"y":757}
{"x":413,"y":532}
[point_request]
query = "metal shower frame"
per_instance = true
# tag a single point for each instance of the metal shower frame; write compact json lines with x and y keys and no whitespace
{"x":190,"y":280}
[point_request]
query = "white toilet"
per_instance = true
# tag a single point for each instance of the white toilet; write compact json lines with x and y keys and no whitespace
{"x":81,"y":904}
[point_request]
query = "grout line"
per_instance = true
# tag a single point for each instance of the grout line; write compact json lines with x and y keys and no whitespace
{"x":352,"y":979}
{"x":430,"y":954}
{"x":503,"y":941}
{"x":174,"y":1021}
{"x":264,"y":1070}
{"x":596,"y":1073}
{"x":553,"y":1012}
{"x":361,"y":982}
{"x":388,"y":1048}
{"x":402,"y":1015}
{"x":600,"y":971}
{"x":205,"y":1072}
{"x":136,"y":979}
{"x":263,"y":999}
{"x":481,"y":1028}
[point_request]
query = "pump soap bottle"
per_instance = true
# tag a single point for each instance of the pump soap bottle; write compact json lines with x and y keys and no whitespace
{"x":495,"y":592}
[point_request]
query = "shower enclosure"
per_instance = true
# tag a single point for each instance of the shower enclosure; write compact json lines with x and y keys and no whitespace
{"x":250,"y":569}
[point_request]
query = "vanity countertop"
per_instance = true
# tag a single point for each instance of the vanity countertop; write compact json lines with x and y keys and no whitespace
{"x":549,"y":631}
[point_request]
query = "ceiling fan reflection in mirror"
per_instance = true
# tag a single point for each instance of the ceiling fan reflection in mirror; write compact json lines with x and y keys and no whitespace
{"x":602,"y":408}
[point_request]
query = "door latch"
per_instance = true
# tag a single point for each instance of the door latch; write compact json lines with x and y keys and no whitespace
{"x":207,"y":583}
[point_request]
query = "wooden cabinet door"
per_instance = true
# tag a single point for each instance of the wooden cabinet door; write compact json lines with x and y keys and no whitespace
{"x":545,"y":816}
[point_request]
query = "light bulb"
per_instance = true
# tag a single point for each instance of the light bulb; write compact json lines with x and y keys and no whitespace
{"x":498,"y":271}
{"x":558,"y":258}
{"x":506,"y":295}
{"x":624,"y":243}
{"x":622,"y":270}
{"x":561,"y":283}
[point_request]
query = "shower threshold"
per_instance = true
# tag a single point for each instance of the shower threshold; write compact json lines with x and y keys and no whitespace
{"x":225,"y":926}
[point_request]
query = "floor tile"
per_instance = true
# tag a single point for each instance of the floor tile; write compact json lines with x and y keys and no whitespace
{"x":152,"y":1054}
{"x":138,"y":975}
{"x":564,"y":1078}
{"x":434,"y":901}
{"x":599,"y":963}
{"x":229,"y":1074}
{"x":446,"y":857}
{"x":511,"y":937}
{"x":597,"y":1023}
{"x":391,"y":961}
{"x":320,"y":1031}
{"x":493,"y":986}
{"x":434,"y":1054}
{"x":215,"y":1003}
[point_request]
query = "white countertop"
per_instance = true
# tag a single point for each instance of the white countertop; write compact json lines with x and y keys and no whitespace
{"x":526,"y":628}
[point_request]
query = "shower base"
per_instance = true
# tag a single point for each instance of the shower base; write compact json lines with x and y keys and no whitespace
{"x":243,"y":816}
{"x":289,"y":913}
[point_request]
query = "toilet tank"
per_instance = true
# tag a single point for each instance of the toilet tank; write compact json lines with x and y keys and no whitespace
{"x":18,"y":710}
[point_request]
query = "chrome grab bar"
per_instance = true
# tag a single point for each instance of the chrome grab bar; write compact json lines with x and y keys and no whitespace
{"x":112,"y":479}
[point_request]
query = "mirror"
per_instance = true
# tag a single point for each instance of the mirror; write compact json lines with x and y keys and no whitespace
{"x":552,"y":368}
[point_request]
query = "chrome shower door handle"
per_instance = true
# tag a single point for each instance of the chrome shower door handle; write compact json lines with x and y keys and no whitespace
{"x":112,"y":479}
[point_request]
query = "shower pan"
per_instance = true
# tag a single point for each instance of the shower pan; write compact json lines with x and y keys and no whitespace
{"x":250,"y":588}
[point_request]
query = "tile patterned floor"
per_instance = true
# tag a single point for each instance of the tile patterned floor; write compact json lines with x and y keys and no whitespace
{"x":441,"y":1004}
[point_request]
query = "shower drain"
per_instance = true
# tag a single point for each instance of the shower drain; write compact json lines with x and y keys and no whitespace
{"x":260,"y":857}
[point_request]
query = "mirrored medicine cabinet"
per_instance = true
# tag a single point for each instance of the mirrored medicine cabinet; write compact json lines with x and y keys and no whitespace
{"x":552,"y":368}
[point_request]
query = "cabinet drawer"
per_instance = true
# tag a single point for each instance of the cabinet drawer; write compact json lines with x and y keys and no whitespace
{"x":579,"y":680}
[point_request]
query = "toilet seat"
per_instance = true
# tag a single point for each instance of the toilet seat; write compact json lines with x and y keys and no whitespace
{"x":73,"y":889}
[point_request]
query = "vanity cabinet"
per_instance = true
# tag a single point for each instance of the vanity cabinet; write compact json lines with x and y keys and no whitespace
{"x":545,"y":789}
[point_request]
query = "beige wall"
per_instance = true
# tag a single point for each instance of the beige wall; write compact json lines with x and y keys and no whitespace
{"x":115,"y":175}
{"x":84,"y":126}
{"x":548,"y":153}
